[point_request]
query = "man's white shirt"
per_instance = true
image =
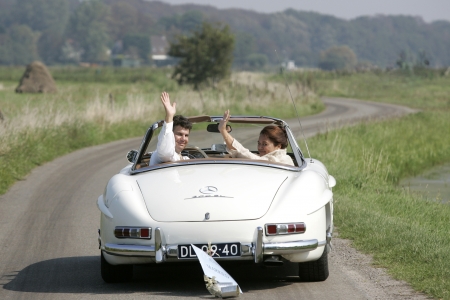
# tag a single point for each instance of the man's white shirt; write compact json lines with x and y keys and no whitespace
{"x":165,"y":149}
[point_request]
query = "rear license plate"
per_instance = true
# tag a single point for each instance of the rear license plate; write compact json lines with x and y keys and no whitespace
{"x":217,"y":250}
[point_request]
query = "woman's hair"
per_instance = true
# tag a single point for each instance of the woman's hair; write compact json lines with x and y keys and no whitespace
{"x":182,"y":121}
{"x":276,"y":134}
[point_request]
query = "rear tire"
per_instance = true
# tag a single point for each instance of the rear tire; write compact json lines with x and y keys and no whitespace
{"x":314,"y":270}
{"x":112,"y":273}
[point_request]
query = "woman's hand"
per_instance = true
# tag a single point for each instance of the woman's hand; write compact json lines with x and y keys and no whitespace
{"x":223,"y":130}
{"x":224,"y":121}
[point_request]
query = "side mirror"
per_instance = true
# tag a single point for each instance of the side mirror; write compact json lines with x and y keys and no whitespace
{"x":132,"y":155}
{"x":215,"y":128}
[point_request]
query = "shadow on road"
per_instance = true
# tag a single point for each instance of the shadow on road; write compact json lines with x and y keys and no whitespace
{"x":82,"y":275}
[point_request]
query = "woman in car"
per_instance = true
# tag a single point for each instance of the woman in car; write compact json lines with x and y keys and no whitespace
{"x":272,"y":143}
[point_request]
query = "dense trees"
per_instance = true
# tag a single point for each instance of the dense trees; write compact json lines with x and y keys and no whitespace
{"x":88,"y":27}
{"x":205,"y":56}
{"x":256,"y":61}
{"x":406,"y":61}
{"x":127,"y":19}
{"x":18,"y":45}
{"x":33,"y":28}
{"x":182,"y":23}
{"x":123,"y":20}
{"x":138,"y":45}
{"x":41,"y":15}
{"x":338,"y":58}
{"x":245,"y":55}
{"x":244,"y":46}
{"x":71,"y":30}
{"x":302,"y":36}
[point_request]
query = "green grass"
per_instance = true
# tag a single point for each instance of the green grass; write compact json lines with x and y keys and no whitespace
{"x":157,"y":76}
{"x":35,"y":147}
{"x":422,"y":89}
{"x":404,"y":232}
{"x":412,"y":91}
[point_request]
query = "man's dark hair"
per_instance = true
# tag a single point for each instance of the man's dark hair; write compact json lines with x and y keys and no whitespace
{"x":182,"y":121}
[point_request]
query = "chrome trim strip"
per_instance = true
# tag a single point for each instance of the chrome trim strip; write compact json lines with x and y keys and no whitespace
{"x":134,"y":230}
{"x":282,"y":228}
{"x":293,"y":142}
{"x":129,"y":250}
{"x":207,"y":161}
{"x":144,"y":144}
{"x":259,"y":245}
{"x":236,"y":119}
{"x":247,"y":249}
{"x":290,"y":247}
{"x":236,"y":258}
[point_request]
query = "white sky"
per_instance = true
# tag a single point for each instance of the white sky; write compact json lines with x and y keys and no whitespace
{"x":429,"y":10}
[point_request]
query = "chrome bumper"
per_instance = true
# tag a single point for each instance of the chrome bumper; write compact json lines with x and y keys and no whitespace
{"x":162,"y":252}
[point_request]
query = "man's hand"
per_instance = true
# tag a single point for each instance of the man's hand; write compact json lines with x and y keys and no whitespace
{"x":170,"y":108}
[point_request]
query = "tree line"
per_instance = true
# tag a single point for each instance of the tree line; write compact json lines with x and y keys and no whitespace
{"x":72,"y":31}
{"x":67,"y":31}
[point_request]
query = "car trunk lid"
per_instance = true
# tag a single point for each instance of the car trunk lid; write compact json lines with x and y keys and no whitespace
{"x":210,"y":192}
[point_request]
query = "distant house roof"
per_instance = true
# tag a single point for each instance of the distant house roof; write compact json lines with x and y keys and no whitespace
{"x":159,"y":44}
{"x":160,"y":57}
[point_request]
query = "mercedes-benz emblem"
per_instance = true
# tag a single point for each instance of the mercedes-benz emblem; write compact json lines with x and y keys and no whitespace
{"x":208,"y":190}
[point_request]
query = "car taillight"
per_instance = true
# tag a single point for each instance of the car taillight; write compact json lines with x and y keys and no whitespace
{"x":145,"y":233}
{"x":271,"y":229}
{"x":286,"y":228}
{"x":122,"y":232}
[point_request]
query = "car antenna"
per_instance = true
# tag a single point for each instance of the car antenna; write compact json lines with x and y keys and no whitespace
{"x":295,"y":108}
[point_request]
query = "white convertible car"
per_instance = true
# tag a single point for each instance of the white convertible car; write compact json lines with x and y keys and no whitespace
{"x":235,"y":209}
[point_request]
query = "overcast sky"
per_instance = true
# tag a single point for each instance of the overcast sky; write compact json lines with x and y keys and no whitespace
{"x":429,"y":10}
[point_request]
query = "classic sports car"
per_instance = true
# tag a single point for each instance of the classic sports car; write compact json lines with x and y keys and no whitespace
{"x":235,"y":209}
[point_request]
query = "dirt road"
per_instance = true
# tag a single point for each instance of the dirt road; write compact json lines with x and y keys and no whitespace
{"x":49,"y":249}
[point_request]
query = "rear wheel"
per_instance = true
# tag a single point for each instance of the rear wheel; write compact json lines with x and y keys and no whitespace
{"x":111,"y":273}
{"x":314,"y":270}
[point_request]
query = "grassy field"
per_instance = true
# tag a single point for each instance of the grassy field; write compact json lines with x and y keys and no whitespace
{"x":95,"y":106}
{"x":403,"y":231}
{"x":427,"y":90}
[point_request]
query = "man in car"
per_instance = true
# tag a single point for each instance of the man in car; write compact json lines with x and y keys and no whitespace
{"x":174,"y":135}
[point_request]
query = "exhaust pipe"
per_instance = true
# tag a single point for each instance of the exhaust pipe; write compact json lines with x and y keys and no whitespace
{"x":273,"y":261}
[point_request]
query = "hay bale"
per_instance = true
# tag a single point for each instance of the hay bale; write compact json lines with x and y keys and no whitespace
{"x":447,"y":72}
{"x":36,"y":79}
